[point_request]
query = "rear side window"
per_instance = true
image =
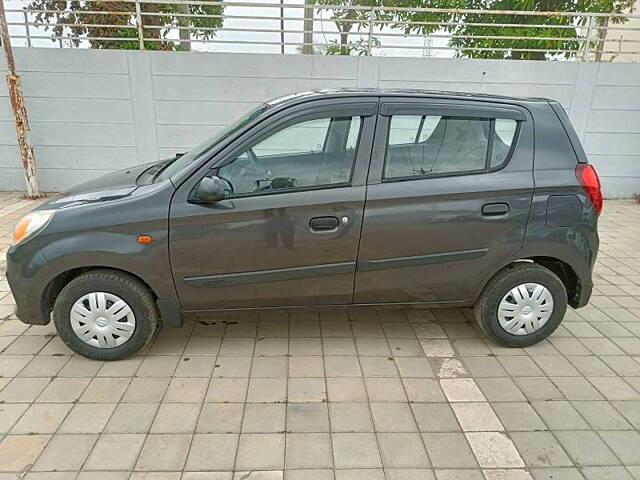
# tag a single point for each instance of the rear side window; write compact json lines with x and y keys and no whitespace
{"x":424,"y":145}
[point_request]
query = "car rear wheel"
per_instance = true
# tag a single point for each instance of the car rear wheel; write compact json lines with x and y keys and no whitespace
{"x":522,"y":305}
{"x":105,"y":315}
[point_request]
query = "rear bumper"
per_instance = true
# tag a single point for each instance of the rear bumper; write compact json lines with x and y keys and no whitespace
{"x":582,"y":296}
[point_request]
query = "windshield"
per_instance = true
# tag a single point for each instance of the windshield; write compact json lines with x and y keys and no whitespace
{"x":188,"y":158}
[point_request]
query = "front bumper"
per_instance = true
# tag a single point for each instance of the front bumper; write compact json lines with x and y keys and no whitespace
{"x":28,"y":277}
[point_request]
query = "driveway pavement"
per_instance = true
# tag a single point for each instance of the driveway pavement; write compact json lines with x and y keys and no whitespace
{"x":362,"y":394}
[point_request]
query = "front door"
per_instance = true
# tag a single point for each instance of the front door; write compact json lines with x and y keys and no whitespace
{"x":287,"y":232}
{"x":448,"y":199}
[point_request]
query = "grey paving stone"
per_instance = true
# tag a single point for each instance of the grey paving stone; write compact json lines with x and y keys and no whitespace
{"x":346,"y":390}
{"x":601,"y":416}
{"x":263,"y":418}
{"x":355,"y":450}
{"x":350,"y":417}
{"x":219,"y":417}
{"x":212,"y":452}
{"x":260,"y":451}
{"x":449,"y":450}
{"x":606,"y":473}
{"x":164,"y":452}
{"x":494,"y":450}
{"x":87,"y":418}
{"x":586,"y":448}
{"x":423,"y":390}
{"x":500,"y":390}
{"x":518,"y":416}
{"x":626,"y":445}
{"x":560,"y":415}
{"x":65,"y":452}
{"x":538,"y":388}
{"x":402,"y":450}
{"x":115,"y":452}
{"x":435,"y":417}
{"x":540,"y":449}
{"x":132,"y":418}
{"x":40,"y":418}
{"x":308,"y":450}
{"x":307,"y":417}
{"x":176,"y":418}
{"x":392,"y":417}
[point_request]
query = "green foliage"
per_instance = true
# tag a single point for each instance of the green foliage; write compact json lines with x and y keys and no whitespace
{"x":347,"y":20}
{"x":85,"y":18}
{"x":470,"y":31}
{"x":359,"y":48}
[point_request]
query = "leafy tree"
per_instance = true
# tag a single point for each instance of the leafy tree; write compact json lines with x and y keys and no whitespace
{"x":77,"y":18}
{"x":347,"y":19}
{"x":473,"y":32}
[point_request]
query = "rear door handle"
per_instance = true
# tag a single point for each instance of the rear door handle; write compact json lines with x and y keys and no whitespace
{"x":324,"y":224}
{"x":495,"y":209}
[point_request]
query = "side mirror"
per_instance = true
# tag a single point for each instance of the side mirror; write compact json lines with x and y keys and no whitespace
{"x":209,"y":190}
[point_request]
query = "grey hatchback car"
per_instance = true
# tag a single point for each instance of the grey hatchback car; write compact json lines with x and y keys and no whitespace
{"x":325,"y":198}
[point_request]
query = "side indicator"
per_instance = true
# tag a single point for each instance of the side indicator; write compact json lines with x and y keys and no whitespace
{"x":144,"y":239}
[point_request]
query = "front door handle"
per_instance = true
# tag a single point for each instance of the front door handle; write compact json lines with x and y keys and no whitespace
{"x":323,"y":224}
{"x":495,"y":209}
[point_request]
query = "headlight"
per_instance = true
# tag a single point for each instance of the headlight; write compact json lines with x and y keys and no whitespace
{"x":30,"y":225}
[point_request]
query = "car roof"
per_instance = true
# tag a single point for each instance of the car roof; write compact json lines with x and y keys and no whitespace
{"x":409,"y":93}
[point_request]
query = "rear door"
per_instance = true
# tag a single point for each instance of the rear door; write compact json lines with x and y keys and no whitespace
{"x":288,"y":231}
{"x":449,"y":192}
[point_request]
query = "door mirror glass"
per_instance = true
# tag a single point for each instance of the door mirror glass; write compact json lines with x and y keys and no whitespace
{"x":211,"y":189}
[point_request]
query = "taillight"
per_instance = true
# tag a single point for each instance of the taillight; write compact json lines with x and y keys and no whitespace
{"x":590,"y":182}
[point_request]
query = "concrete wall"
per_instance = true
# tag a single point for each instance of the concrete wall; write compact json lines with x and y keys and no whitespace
{"x":94,"y":111}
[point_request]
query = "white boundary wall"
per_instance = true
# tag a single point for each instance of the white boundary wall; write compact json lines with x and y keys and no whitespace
{"x":95,"y":111}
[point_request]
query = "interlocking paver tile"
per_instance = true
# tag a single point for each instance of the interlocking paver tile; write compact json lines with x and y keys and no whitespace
{"x":355,"y":450}
{"x":17,"y":452}
{"x":336,"y":394}
{"x":402,"y":450}
{"x":65,"y":452}
{"x":260,"y":451}
{"x":350,"y":417}
{"x":212,"y":452}
{"x":164,"y":452}
{"x":449,"y":450}
{"x":494,"y":450}
{"x":586,"y":448}
{"x":42,"y":418}
{"x":308,"y":450}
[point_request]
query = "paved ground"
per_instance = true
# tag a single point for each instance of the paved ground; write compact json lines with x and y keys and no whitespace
{"x":365,"y":394}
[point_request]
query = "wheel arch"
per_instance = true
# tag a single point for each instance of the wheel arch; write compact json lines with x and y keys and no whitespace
{"x":562,"y":269}
{"x":55,"y":285}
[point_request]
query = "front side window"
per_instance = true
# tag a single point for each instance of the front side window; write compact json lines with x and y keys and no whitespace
{"x":422,"y":145}
{"x":309,"y":154}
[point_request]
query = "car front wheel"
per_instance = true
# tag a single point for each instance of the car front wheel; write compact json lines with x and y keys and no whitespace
{"x":105,"y":315}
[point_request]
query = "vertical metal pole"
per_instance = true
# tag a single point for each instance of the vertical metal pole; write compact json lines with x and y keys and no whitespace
{"x":183,"y":31}
{"x":587,"y":42}
{"x":307,"y":36}
{"x":281,"y":26}
{"x":370,"y":39}
{"x":19,"y":111}
{"x":140,"y":27}
{"x":26,"y":27}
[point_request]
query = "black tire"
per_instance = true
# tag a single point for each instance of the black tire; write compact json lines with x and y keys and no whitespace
{"x":486,"y":308}
{"x":125,"y":286}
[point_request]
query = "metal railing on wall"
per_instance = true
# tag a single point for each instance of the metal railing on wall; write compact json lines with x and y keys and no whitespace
{"x":326,"y":29}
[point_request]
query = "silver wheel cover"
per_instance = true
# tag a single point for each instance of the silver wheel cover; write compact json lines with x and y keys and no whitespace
{"x":525,"y":309}
{"x":102,"y":320}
